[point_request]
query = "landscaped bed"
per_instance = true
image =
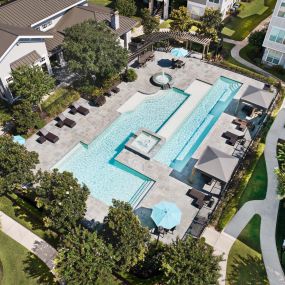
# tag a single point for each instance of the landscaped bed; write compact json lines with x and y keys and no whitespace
{"x":251,"y":14}
{"x":245,"y":264}
{"x":20,"y":266}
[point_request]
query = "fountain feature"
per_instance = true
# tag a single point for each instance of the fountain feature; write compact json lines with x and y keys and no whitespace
{"x":162,"y":79}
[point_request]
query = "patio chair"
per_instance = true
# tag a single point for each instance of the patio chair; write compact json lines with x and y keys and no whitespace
{"x":46,"y":135}
{"x":115,"y":89}
{"x":63,"y":121}
{"x":76,"y":108}
{"x":108,"y":93}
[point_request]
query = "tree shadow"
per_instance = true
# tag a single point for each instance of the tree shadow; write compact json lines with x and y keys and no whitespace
{"x":247,"y":270}
{"x":37,"y":270}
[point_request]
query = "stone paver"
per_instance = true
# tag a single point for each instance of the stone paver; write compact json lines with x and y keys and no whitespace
{"x":267,"y":209}
{"x":28,"y":239}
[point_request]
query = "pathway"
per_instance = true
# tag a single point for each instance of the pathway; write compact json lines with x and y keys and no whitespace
{"x":28,"y":239}
{"x":241,"y":44}
{"x":267,"y":209}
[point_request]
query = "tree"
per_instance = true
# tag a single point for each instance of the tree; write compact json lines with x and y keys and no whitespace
{"x":90,"y":48}
{"x":256,"y":39}
{"x":190,"y":261}
{"x":211,"y":24}
{"x":122,"y":229}
{"x":16,"y":165}
{"x":24,"y":117}
{"x":31,"y":83}
{"x":126,"y":7}
{"x":62,"y":199}
{"x":150,"y":23}
{"x":181,"y":20}
{"x":281,"y":182}
{"x":84,"y":259}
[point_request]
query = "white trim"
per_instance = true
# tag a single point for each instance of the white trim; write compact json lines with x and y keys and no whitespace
{"x":59,"y":12}
{"x":24,"y":37}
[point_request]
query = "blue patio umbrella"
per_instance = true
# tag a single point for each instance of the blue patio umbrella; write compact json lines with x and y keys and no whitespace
{"x":179,"y":52}
{"x":19,"y":139}
{"x":166,"y":215}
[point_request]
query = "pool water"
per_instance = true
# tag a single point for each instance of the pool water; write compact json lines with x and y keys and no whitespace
{"x":95,"y":164}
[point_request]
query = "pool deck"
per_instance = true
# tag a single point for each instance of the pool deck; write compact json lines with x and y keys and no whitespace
{"x":89,"y":127}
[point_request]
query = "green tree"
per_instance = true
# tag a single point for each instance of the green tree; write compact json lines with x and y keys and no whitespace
{"x":84,"y":259}
{"x":211,"y":24}
{"x":281,"y":182}
{"x":62,"y":199}
{"x":16,"y":165}
{"x":31,"y":83}
{"x":182,"y":21}
{"x":256,"y":39}
{"x":150,"y":23}
{"x":90,"y":48}
{"x":190,"y":261}
{"x":24,"y":117}
{"x":122,"y":229}
{"x":126,"y":7}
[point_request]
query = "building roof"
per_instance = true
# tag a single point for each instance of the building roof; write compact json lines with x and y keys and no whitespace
{"x":25,"y":13}
{"x":217,"y":164}
{"x":28,"y":59}
{"x":257,"y":97}
{"x":9,"y":34}
{"x":80,"y":14}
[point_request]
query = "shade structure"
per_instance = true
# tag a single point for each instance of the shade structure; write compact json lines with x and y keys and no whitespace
{"x":19,"y":139}
{"x":166,"y":215}
{"x":179,"y":52}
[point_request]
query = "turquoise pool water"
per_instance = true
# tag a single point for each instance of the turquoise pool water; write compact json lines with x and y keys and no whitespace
{"x":95,"y":165}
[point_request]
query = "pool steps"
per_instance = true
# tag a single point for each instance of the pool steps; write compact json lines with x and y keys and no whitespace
{"x":136,"y":198}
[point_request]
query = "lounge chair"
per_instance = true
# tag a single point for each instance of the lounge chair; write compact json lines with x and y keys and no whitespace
{"x":76,"y":108}
{"x":115,"y":89}
{"x":63,"y":121}
{"x":46,"y":135}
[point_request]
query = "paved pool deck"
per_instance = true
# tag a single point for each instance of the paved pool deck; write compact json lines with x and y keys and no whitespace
{"x":99,"y":118}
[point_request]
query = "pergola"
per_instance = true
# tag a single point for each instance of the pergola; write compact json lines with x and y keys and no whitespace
{"x":189,"y":38}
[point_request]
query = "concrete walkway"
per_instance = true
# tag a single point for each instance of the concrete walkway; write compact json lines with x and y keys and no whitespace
{"x":267,"y":209}
{"x":241,"y":44}
{"x":29,"y":240}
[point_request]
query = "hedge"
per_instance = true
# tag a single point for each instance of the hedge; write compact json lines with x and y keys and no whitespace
{"x":59,"y":101}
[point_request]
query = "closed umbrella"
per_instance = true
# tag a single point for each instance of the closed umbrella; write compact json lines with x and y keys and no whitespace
{"x":166,"y":215}
{"x":179,"y":52}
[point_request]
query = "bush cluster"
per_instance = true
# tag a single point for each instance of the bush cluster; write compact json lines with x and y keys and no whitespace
{"x":130,"y":75}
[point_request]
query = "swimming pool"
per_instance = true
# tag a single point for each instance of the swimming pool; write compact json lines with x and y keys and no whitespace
{"x":95,"y":164}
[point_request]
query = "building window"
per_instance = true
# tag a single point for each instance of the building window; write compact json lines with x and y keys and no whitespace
{"x":273,"y":57}
{"x":215,"y":1}
{"x":277,"y":35}
{"x":46,"y":24}
{"x":281,"y":12}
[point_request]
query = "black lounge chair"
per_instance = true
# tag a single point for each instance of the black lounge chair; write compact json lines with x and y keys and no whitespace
{"x":63,"y":121}
{"x":108,"y":93}
{"x":115,"y":89}
{"x":46,"y":135}
{"x":76,"y":108}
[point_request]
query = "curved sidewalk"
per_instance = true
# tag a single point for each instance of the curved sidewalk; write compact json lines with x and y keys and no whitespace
{"x":29,"y":240}
{"x":267,"y":209}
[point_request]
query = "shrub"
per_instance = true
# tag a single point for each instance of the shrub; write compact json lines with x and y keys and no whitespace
{"x":59,"y":101}
{"x":109,"y":82}
{"x":278,"y":69}
{"x":130,"y":75}
{"x":97,"y":98}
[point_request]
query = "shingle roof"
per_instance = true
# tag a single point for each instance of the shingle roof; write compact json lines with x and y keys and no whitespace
{"x":8,"y":34}
{"x":257,"y":97}
{"x":217,"y":164}
{"x":28,"y":59}
{"x":28,"y":12}
{"x":83,"y":13}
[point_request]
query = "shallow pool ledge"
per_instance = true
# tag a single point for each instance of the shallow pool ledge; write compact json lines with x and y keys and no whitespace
{"x":197,"y":90}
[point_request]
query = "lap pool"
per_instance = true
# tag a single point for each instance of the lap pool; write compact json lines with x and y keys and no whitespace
{"x":95,"y":164}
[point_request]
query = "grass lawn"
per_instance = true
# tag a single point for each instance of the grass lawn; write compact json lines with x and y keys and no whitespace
{"x":280,"y":230}
{"x":245,"y":264}
{"x":20,"y":267}
{"x":26,"y":215}
{"x":247,"y":51}
{"x":251,"y":14}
